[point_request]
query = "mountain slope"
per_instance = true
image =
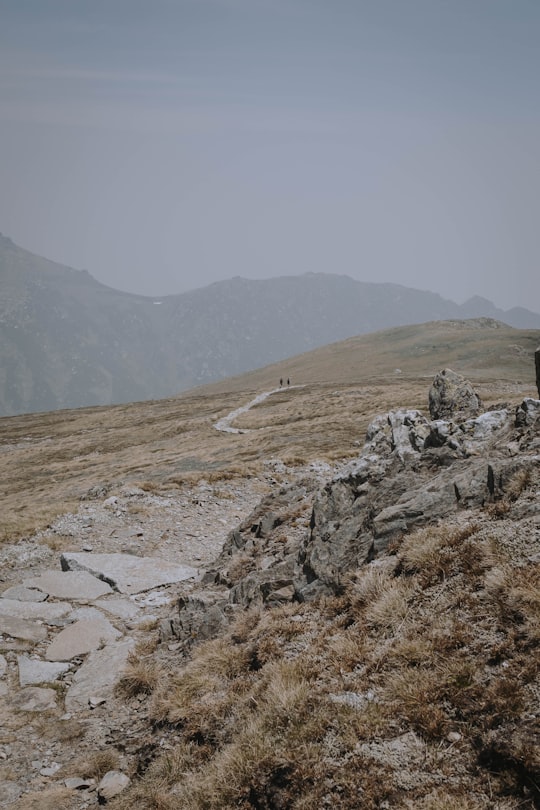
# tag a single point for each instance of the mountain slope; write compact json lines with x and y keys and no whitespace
{"x":336,"y":390}
{"x":68,"y":341}
{"x":411,"y":683}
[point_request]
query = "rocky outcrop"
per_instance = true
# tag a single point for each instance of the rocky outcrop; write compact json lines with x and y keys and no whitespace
{"x":413,"y":471}
{"x":199,"y":617}
{"x":451,"y":394}
{"x":402,"y":481}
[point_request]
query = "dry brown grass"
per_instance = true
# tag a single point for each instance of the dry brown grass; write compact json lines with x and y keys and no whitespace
{"x":443,"y":640}
{"x":431,"y":653}
{"x":94,"y":765}
{"x":59,"y":542}
{"x":436,"y":552}
{"x":48,"y":462}
{"x":141,"y":676}
{"x":258,"y":726}
{"x":53,"y":798}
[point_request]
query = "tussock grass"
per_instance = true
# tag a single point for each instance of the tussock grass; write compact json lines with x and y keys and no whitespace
{"x":95,"y":765}
{"x":141,"y":676}
{"x":435,"y":553}
{"x":305,"y":706}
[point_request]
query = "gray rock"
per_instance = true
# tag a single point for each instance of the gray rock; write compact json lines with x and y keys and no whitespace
{"x":339,"y":539}
{"x":50,"y":770}
{"x":399,"y":483}
{"x":423,"y":504}
{"x":76,"y":783}
{"x":80,"y":638}
{"x":451,"y":394}
{"x":77,"y":585}
{"x":87,"y":612}
{"x":3,"y":666}
{"x":280,"y":596}
{"x":127,"y":573}
{"x":45,"y":611}
{"x":355,"y":700}
{"x":11,"y":791}
{"x":257,"y":586}
{"x":199,"y":617}
{"x":113,"y":783}
{"x":22,"y":594}
{"x":528,"y":412}
{"x":483,"y":426}
{"x":122,"y":608}
{"x":96,"y":678}
{"x":33,"y":671}
{"x":34,"y":699}
{"x":409,"y":430}
{"x":22,"y":629}
{"x":537,"y":366}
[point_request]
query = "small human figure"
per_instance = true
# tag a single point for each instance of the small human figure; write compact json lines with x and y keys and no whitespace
{"x":280,"y":381}
{"x":288,"y":381}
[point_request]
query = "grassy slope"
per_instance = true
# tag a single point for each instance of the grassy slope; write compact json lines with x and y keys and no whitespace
{"x":415,"y":688}
{"x":48,"y":461}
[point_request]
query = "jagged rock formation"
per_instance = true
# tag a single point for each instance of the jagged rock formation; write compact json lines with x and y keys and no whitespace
{"x":412,"y":472}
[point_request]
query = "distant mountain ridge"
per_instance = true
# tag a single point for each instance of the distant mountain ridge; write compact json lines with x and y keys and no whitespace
{"x":67,"y":340}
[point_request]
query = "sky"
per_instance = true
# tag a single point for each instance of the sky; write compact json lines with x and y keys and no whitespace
{"x":163,"y":145}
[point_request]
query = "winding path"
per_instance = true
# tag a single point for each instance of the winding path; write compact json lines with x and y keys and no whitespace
{"x":225,"y":425}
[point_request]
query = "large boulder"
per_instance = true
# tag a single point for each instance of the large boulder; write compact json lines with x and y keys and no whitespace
{"x":452,"y":395}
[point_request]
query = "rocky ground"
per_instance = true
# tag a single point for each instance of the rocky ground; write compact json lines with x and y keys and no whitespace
{"x":65,"y":635}
{"x":46,"y":698}
{"x":139,"y":576}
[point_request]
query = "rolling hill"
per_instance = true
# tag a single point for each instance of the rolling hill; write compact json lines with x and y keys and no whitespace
{"x":67,"y":341}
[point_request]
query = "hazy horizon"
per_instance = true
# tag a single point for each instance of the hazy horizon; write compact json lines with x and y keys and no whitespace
{"x":164,"y":146}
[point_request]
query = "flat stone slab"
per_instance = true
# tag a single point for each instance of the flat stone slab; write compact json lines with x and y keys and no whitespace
{"x":80,"y":638}
{"x":96,"y":678}
{"x":45,"y":611}
{"x":127,"y":573}
{"x":33,"y":671}
{"x":22,"y":629}
{"x":88,"y":612}
{"x":76,"y":585}
{"x":34,"y":699}
{"x":122,"y":608}
{"x":22,"y":594}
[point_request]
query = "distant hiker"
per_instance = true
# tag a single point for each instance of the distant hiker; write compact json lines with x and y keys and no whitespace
{"x":280,"y":381}
{"x":288,"y":381}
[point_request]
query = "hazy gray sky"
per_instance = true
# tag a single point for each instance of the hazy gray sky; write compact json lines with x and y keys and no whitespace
{"x":166,"y":144}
